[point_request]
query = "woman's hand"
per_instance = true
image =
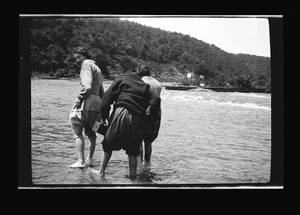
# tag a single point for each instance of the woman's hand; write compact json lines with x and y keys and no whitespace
{"x":77,"y":104}
{"x":103,"y":121}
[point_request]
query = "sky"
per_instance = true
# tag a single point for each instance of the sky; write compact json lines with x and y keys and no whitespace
{"x":233,"y":35}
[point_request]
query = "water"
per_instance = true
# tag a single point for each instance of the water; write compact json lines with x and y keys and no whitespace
{"x":205,"y":137}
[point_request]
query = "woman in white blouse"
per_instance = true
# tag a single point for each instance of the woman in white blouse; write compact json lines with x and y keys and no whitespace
{"x":88,"y":105}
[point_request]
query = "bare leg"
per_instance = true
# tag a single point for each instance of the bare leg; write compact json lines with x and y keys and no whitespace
{"x":104,"y":161}
{"x":148,"y":151}
{"x":80,"y":147}
{"x":92,"y":141}
{"x":79,"y":141}
{"x":132,"y":166}
{"x":141,"y":152}
{"x":140,"y":160}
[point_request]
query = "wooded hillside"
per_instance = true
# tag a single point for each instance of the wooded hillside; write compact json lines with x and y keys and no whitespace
{"x":120,"y":45}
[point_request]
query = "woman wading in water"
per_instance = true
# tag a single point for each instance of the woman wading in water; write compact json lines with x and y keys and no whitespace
{"x":87,"y":105}
{"x":131,"y":98}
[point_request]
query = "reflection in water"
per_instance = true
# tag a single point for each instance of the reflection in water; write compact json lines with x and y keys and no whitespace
{"x":145,"y":175}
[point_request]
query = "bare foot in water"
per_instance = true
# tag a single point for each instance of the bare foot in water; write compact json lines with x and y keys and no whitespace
{"x":88,"y":162}
{"x":132,"y":178}
{"x":97,"y":172}
{"x":77,"y":164}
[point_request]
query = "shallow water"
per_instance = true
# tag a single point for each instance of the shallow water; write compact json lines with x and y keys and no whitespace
{"x":205,"y":137}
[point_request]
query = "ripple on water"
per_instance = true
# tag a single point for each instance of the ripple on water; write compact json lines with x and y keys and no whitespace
{"x":205,"y":137}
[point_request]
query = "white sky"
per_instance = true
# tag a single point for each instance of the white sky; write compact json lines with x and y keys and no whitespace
{"x":234,"y":35}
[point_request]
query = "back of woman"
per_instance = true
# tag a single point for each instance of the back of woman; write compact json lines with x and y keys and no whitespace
{"x":86,"y":106}
{"x":129,"y":91}
{"x":131,"y":98}
{"x":91,"y":87}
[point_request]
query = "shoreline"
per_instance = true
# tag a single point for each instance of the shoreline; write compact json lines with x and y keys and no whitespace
{"x":235,"y":89}
{"x":176,"y":86}
{"x":65,"y":79}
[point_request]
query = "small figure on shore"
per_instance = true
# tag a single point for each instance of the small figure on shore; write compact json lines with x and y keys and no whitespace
{"x":87,"y":105}
{"x":153,"y":123}
{"x":131,"y":98}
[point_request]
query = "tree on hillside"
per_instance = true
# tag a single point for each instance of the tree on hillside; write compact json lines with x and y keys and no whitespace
{"x":120,"y":42}
{"x":126,"y":63}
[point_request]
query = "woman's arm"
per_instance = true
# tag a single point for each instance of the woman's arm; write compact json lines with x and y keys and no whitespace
{"x":101,"y":91}
{"x":154,"y":104}
{"x":86,"y":81}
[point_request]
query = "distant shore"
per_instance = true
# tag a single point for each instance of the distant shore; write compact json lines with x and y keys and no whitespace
{"x":176,"y":86}
{"x":235,"y":89}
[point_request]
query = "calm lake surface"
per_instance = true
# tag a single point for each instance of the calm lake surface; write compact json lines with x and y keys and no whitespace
{"x":205,"y":137}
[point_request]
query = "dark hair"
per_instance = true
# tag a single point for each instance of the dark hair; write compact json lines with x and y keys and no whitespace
{"x":143,"y":71}
{"x":133,"y":70}
{"x":84,"y":52}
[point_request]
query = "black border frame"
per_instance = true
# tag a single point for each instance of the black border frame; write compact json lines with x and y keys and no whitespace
{"x":277,"y":27}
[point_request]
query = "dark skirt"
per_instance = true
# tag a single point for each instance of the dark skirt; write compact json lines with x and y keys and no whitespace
{"x":125,"y":131}
{"x":152,"y":129}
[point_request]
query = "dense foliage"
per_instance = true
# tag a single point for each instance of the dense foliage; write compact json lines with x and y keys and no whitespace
{"x":120,"y":45}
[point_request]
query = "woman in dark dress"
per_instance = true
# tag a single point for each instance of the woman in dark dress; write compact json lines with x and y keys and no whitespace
{"x":131,"y":98}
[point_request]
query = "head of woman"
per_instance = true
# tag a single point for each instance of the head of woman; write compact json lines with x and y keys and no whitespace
{"x":81,"y":54}
{"x":143,"y":71}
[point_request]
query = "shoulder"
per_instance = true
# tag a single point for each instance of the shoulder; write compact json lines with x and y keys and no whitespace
{"x":88,"y":63}
{"x":150,"y":80}
{"x":85,"y":65}
{"x":130,"y":78}
{"x":119,"y":79}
